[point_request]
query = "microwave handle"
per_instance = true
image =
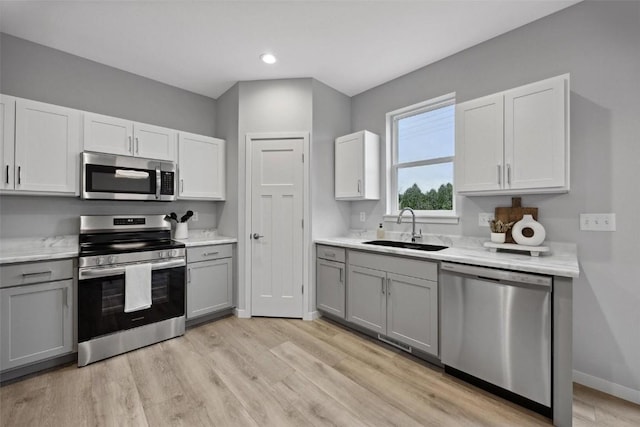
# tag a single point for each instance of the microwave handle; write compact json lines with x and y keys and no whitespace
{"x":158,"y":182}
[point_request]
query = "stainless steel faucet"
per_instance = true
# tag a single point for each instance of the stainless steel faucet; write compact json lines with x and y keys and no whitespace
{"x":414,"y":235}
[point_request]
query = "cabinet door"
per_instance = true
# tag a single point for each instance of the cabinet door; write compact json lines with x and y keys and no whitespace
{"x":36,"y":322}
{"x":7,"y":140}
{"x":412,"y":312}
{"x":201,"y":165}
{"x":536,"y":140}
{"x":349,"y":164}
{"x":479,"y":144}
{"x":209,"y":287}
{"x":154,"y":142}
{"x":330,"y":288}
{"x":366,"y":298}
{"x":47,"y":147}
{"x":106,"y":134}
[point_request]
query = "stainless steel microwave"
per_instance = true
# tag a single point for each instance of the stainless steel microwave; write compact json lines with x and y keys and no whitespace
{"x":110,"y":177}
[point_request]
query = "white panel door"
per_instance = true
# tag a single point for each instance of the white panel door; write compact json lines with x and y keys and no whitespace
{"x":201,"y":164}
{"x":7,"y":139}
{"x":105,"y":134}
{"x":47,"y":147}
{"x":535,"y":135}
{"x":276,"y":224}
{"x":154,"y":142}
{"x":349,"y":164}
{"x":479,"y":144}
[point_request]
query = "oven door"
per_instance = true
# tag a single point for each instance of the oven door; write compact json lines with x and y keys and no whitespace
{"x":101,"y":292}
{"x":110,"y":177}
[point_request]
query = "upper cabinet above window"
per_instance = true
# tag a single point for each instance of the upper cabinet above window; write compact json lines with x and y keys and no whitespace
{"x":112,"y":135}
{"x":515,"y":141}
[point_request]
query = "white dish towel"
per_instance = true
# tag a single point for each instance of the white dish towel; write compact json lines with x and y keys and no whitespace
{"x":137,"y":287}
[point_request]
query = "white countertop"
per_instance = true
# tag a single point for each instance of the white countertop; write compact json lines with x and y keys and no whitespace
{"x":561,"y":261}
{"x":205,"y":238}
{"x":38,"y":249}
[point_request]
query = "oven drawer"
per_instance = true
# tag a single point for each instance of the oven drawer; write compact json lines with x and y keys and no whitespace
{"x":205,"y":253}
{"x":35,"y":272}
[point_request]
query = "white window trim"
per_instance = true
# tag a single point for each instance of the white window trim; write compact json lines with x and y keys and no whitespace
{"x":436,"y":217}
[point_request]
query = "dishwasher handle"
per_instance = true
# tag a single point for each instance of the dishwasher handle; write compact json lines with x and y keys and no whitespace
{"x":498,"y":275}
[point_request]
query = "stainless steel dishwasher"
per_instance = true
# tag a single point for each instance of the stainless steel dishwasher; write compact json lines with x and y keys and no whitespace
{"x":496,"y":327}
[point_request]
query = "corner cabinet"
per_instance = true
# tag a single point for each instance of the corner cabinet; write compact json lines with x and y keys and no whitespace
{"x":105,"y":134}
{"x":357,"y":166}
{"x":515,"y":141}
{"x":331,"y":278}
{"x":209,"y":279}
{"x":395,"y":297}
{"x":40,"y":147}
{"x":36,"y":312}
{"x":201,"y":167}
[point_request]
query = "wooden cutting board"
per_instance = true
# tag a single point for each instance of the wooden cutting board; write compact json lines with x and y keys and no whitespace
{"x":514,"y":213}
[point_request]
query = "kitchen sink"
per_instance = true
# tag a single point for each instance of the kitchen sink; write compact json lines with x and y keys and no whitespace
{"x":406,"y":245}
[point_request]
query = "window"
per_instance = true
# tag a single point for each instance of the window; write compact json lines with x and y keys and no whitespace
{"x":420,"y":152}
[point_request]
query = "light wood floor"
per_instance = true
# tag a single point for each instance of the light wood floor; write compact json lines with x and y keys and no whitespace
{"x":273,"y":372}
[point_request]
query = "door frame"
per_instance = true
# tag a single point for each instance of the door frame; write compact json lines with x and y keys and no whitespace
{"x":307,"y":312}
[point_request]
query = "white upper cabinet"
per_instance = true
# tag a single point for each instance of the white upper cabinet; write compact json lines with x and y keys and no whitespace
{"x":47,"y":148}
{"x":515,"y":141}
{"x":357,"y":166}
{"x":201,"y":167}
{"x":7,"y":139}
{"x":112,"y":135}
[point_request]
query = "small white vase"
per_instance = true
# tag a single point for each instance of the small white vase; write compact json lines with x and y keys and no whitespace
{"x":498,"y":237}
{"x":527,"y":222}
{"x":182,"y":232}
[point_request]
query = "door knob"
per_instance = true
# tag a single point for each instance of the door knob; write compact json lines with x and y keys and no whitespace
{"x":257,"y":236}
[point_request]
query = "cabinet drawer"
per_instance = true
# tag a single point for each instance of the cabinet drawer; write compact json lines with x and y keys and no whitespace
{"x":35,"y":272}
{"x":205,"y":253}
{"x":331,"y":253}
{"x":422,"y":269}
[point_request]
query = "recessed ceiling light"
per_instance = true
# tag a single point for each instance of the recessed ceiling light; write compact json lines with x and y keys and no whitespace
{"x":268,"y":58}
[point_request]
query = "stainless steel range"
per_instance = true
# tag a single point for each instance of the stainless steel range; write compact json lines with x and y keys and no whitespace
{"x":131,"y":285}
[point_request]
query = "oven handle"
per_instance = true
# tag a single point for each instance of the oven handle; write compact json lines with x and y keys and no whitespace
{"x":87,"y":273}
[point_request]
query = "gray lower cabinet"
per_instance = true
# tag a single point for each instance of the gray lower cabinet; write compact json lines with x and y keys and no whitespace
{"x":209,"y":280}
{"x":36,"y":322}
{"x":396,"y":297}
{"x":330,"y":280}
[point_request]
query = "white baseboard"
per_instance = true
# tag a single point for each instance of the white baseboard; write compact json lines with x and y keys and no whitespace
{"x":242,"y":314}
{"x":608,"y":387}
{"x":311,"y":315}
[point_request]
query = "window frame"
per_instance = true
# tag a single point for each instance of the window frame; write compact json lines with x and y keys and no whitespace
{"x":392,"y":167}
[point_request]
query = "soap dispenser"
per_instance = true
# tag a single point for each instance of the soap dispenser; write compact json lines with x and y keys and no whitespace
{"x":380,"y":232}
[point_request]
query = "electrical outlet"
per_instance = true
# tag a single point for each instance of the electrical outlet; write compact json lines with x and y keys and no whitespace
{"x":363,"y":217}
{"x":194,"y":218}
{"x":484,"y":218}
{"x":598,"y":222}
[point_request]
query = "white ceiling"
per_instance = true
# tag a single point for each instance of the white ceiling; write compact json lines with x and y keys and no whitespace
{"x":207,"y":46}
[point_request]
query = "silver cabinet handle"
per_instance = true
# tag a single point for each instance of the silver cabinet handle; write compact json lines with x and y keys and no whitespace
{"x":388,"y":286}
{"x":210,"y":253}
{"x":340,"y":270}
{"x":7,"y":180}
{"x":330,"y":254}
{"x":257,"y":236}
{"x":38,"y":273}
{"x":499,"y":175}
{"x":19,"y":175}
{"x":66,"y":297}
{"x":359,"y":182}
{"x":382,"y":287}
{"x":130,"y":147}
{"x":508,"y":174}
{"x":188,"y":275}
{"x":181,"y":186}
{"x":137,"y":145}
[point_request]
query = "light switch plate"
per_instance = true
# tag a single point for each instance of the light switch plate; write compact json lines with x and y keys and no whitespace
{"x":363,"y":217}
{"x":194,"y":218}
{"x":598,"y":222}
{"x":484,"y":218}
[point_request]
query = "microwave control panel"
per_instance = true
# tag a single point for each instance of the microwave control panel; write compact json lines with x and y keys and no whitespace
{"x":166,"y":183}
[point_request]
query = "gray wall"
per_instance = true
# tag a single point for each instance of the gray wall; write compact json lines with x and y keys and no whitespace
{"x":33,"y":71}
{"x":37,"y":72}
{"x":597,"y":42}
